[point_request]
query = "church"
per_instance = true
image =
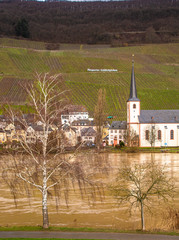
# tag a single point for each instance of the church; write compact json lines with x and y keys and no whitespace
{"x":157,"y":128}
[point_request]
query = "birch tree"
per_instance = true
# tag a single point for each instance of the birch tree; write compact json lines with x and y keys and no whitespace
{"x":42,"y":164}
{"x":140,"y":184}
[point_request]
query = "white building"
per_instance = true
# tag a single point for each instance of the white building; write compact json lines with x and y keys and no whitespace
{"x":73,"y":113}
{"x":117,"y":132}
{"x":153,"y":127}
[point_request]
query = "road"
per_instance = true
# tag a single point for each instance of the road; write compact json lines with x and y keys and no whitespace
{"x":84,"y":235}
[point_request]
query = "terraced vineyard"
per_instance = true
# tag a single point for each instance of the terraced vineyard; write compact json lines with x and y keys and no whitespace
{"x":156,"y":71}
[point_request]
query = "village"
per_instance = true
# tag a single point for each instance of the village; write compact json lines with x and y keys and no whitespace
{"x":143,"y":128}
{"x":74,"y":123}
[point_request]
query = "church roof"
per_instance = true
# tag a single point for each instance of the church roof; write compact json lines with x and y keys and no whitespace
{"x":133,"y":90}
{"x":159,"y":116}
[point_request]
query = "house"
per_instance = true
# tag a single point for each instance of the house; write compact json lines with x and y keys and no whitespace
{"x":105,"y":135}
{"x":88,"y":135}
{"x":71,"y":135}
{"x":3,"y":121}
{"x":72,"y":113}
{"x":18,"y":133}
{"x":153,"y":127}
{"x":83,"y":123}
{"x":3,"y":137}
{"x":117,"y":132}
{"x":35,"y":132}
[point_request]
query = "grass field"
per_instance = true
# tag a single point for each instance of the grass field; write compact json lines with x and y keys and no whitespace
{"x":156,"y":72}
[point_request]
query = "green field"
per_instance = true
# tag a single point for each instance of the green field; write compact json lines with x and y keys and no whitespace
{"x":156,"y":72}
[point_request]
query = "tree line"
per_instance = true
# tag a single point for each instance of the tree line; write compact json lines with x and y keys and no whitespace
{"x":111,"y":22}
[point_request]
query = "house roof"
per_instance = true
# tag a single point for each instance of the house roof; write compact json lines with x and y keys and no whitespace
{"x":18,"y":127}
{"x":159,"y":116}
{"x":83,"y":122}
{"x":1,"y":130}
{"x":39,"y":128}
{"x":74,"y":108}
{"x":133,"y":90}
{"x":118,"y":125}
{"x":88,"y":132}
{"x":66,"y":127}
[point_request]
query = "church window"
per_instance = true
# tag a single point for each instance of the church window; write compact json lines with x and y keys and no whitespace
{"x":134,"y":105}
{"x":159,"y":135}
{"x":147,"y":135}
{"x":171,"y":134}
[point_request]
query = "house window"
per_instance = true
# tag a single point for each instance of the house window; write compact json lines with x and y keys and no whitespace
{"x":159,"y":135}
{"x":111,"y":131}
{"x":147,"y":135}
{"x":115,"y":131}
{"x":171,"y":134}
{"x":134,"y":105}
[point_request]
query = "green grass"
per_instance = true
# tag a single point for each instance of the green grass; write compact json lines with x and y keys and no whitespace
{"x":156,"y":71}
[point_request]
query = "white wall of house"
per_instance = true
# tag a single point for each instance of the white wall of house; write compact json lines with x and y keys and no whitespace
{"x":72,"y":137}
{"x":116,"y":133}
{"x":73,"y":116}
{"x":88,"y":139}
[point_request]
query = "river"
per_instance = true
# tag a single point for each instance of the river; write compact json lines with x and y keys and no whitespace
{"x":101,"y":214}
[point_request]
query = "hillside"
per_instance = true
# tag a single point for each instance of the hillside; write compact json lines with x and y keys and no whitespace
{"x":108,"y":22}
{"x":156,"y":71}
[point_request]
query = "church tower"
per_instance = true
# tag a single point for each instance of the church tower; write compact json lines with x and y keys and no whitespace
{"x":133,"y":105}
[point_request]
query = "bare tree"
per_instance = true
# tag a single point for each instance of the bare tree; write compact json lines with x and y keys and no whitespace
{"x":131,"y":138}
{"x":151,"y":134}
{"x":138,"y":185}
{"x":40,"y":162}
{"x":100,"y":116}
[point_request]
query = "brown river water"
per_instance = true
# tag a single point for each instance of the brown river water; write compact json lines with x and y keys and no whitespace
{"x":102,"y":214}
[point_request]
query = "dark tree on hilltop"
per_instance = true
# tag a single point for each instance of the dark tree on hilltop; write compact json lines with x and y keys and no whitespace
{"x":22,"y":28}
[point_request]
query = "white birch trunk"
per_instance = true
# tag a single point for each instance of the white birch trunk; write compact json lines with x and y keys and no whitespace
{"x":44,"y":201}
{"x":142,"y":216}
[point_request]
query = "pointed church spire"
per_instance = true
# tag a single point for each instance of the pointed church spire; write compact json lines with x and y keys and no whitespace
{"x":133,"y":90}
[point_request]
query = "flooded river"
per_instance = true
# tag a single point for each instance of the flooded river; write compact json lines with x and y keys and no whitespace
{"x":102,"y":214}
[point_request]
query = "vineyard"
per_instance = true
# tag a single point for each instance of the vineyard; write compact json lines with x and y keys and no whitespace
{"x":156,"y":72}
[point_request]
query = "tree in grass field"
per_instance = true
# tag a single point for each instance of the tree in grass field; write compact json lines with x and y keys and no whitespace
{"x":138,"y":185}
{"x":42,"y":164}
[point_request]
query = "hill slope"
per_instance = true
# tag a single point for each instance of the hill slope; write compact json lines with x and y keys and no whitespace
{"x":156,"y":71}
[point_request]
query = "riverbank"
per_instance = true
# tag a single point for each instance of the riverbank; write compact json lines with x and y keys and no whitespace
{"x":110,"y":149}
{"x":94,"y":230}
{"x":141,"y":150}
